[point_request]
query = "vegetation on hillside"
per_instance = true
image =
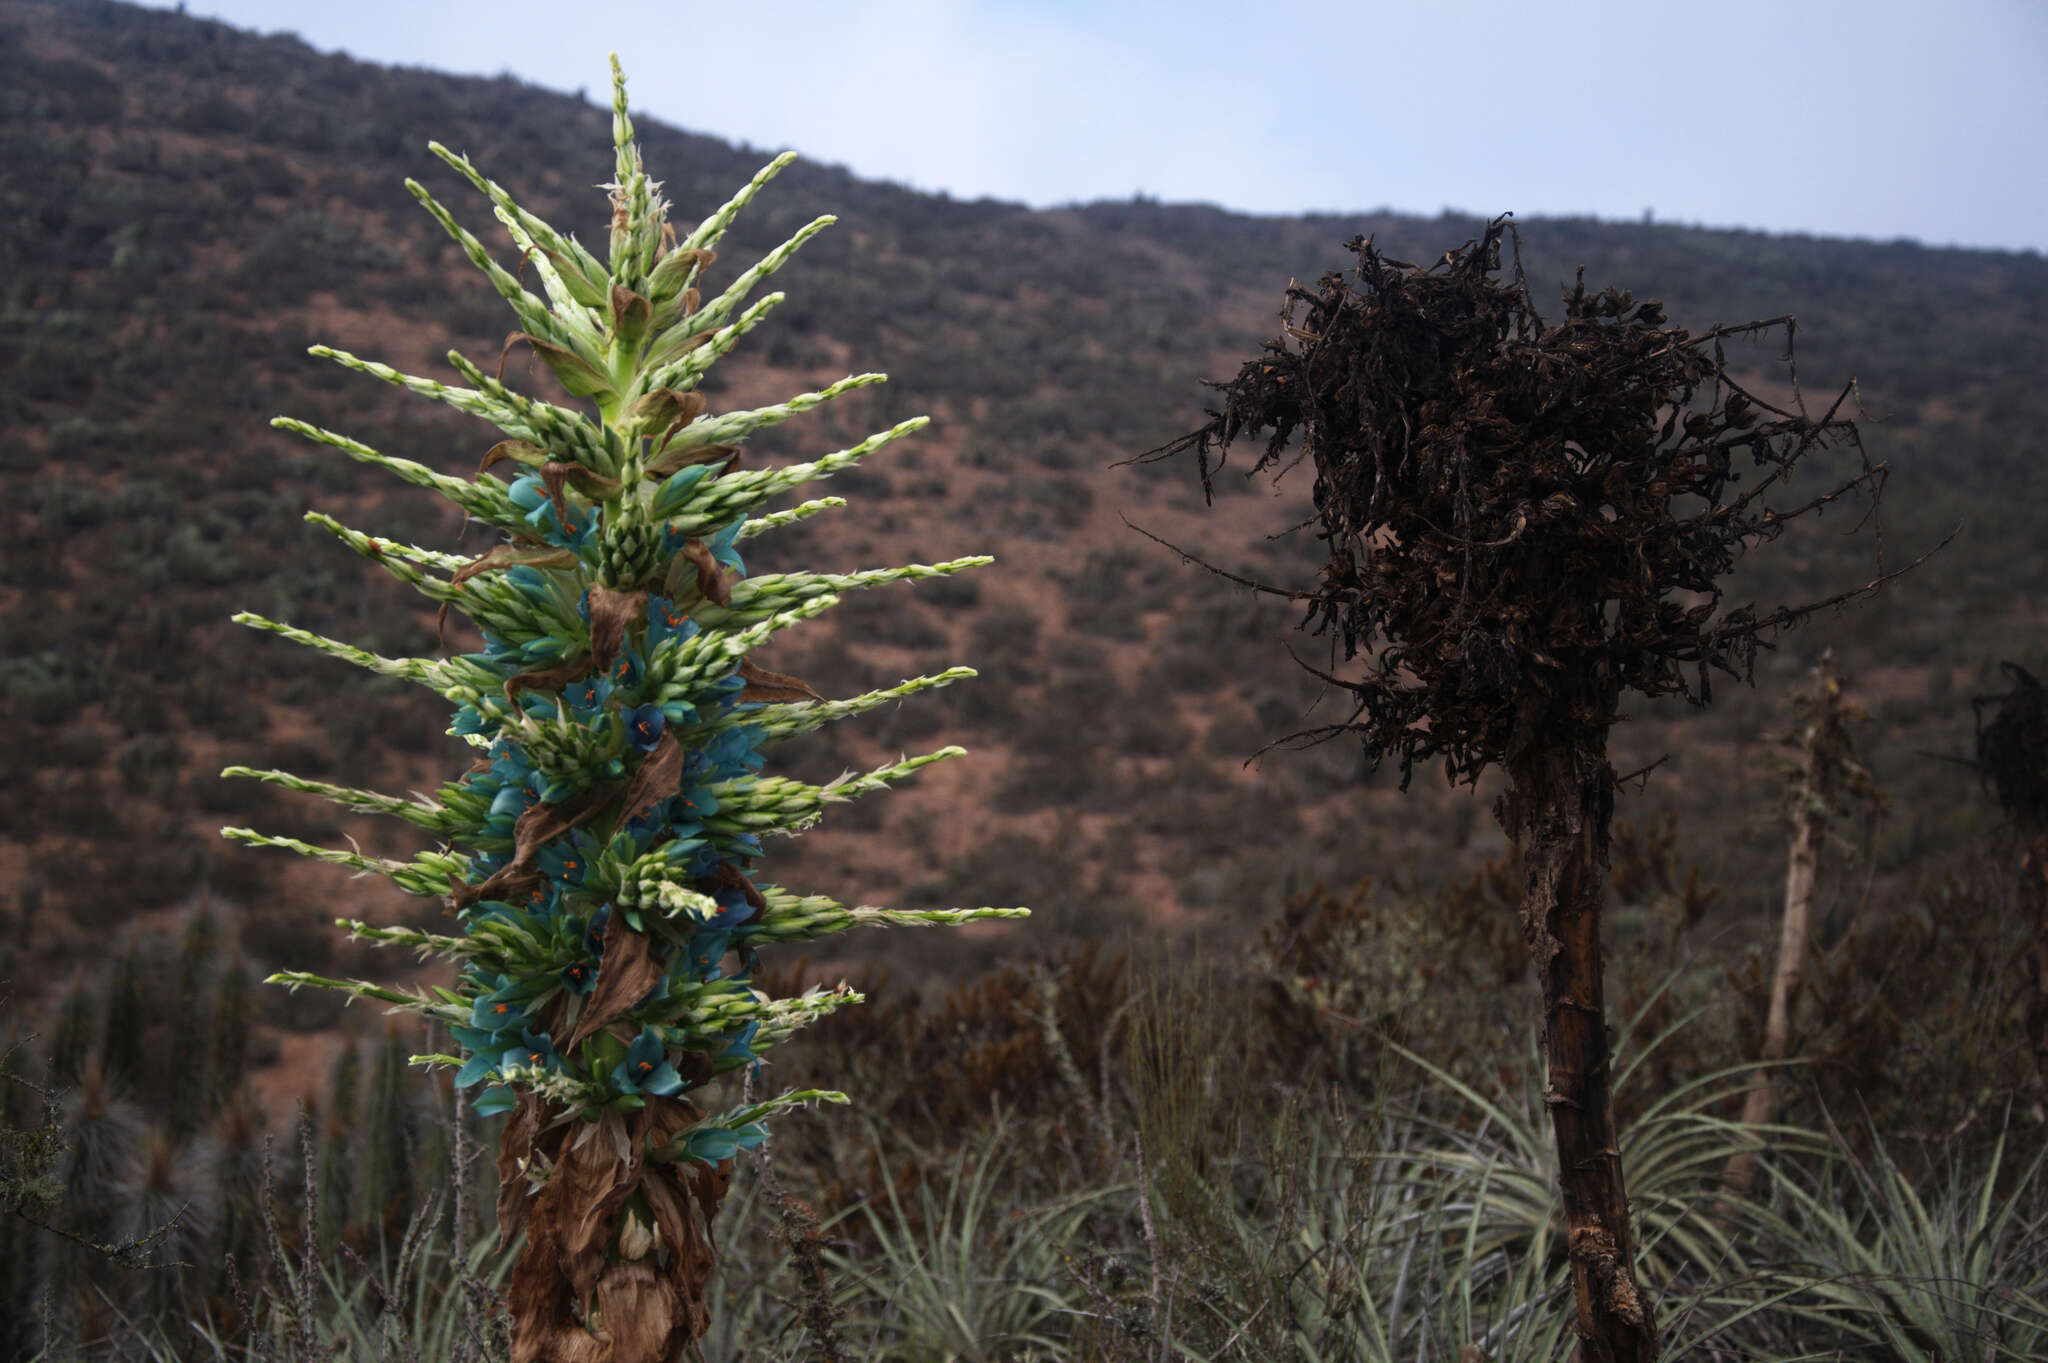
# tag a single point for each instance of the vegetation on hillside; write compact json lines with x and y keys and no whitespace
{"x":1316,"y":1136}
{"x":184,"y":202}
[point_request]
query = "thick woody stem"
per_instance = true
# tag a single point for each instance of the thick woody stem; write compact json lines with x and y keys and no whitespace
{"x":2034,"y":892}
{"x":1559,"y":803}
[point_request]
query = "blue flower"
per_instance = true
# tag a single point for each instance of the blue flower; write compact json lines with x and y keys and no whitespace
{"x":503,"y":1009}
{"x":483,"y":1060}
{"x":529,"y":492}
{"x":495,"y":1099}
{"x":586,"y":698}
{"x":496,"y":650}
{"x":696,"y":857}
{"x":740,"y":1049}
{"x":646,"y":1068}
{"x":735,"y":751}
{"x":593,"y":936}
{"x":565,"y":861}
{"x":722,"y":547}
{"x":644,"y":724}
{"x":666,"y":622}
{"x":708,"y":947}
{"x":545,"y":897}
{"x":509,"y":760}
{"x":507,"y":805}
{"x":535,"y":1052}
{"x":628,"y":668}
{"x":580,"y":978}
{"x":496,"y":1018}
{"x":710,"y":1144}
{"x":723,"y":694}
{"x":579,"y":531}
{"x":733,"y":907}
{"x":671,"y":816}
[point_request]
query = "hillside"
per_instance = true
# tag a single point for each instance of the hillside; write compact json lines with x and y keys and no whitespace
{"x":184,"y":208}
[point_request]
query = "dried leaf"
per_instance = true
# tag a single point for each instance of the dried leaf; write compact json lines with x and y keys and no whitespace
{"x":669,"y":1201}
{"x":644,"y":1315}
{"x":663,"y":1119}
{"x":536,"y":828}
{"x":591,"y":1184}
{"x":611,"y":612}
{"x":627,"y":971}
{"x":571,"y":1220}
{"x":647,"y":1310}
{"x":509,"y":555}
{"x":691,"y":406}
{"x":554,"y":679}
{"x":665,"y":410}
{"x":659,"y":775}
{"x":553,"y":475}
{"x":520,"y":451}
{"x":592,"y":484}
{"x":694,"y":1068}
{"x":514,"y":339}
{"x":709,"y":1184}
{"x":672,"y":269}
{"x":630,"y":316}
{"x":730,"y":877}
{"x":515,"y":1151}
{"x":662,"y":465}
{"x":765,"y":685}
{"x":710,"y":577}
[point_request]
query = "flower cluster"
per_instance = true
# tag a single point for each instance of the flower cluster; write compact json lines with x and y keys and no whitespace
{"x":602,"y":853}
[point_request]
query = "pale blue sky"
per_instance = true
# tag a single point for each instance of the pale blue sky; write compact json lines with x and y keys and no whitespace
{"x":1861,"y":118}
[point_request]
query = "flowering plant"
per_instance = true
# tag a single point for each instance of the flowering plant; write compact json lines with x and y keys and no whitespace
{"x":601,"y":854}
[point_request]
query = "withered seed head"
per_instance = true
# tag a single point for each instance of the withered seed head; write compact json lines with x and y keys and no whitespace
{"x":2012,"y":750}
{"x":1523,"y":521}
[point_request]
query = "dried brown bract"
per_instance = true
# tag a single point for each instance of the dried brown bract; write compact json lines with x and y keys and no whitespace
{"x":612,"y":1228}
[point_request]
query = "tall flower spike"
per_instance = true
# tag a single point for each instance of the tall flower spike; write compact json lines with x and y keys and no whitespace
{"x":602,"y":855}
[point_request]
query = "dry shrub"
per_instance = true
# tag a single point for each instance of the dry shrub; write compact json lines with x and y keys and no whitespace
{"x":1442,"y":976}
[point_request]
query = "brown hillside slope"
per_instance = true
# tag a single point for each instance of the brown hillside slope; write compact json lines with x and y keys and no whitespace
{"x":184,"y":208}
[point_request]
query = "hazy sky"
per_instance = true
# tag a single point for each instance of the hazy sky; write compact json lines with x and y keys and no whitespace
{"x":1864,"y":118}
